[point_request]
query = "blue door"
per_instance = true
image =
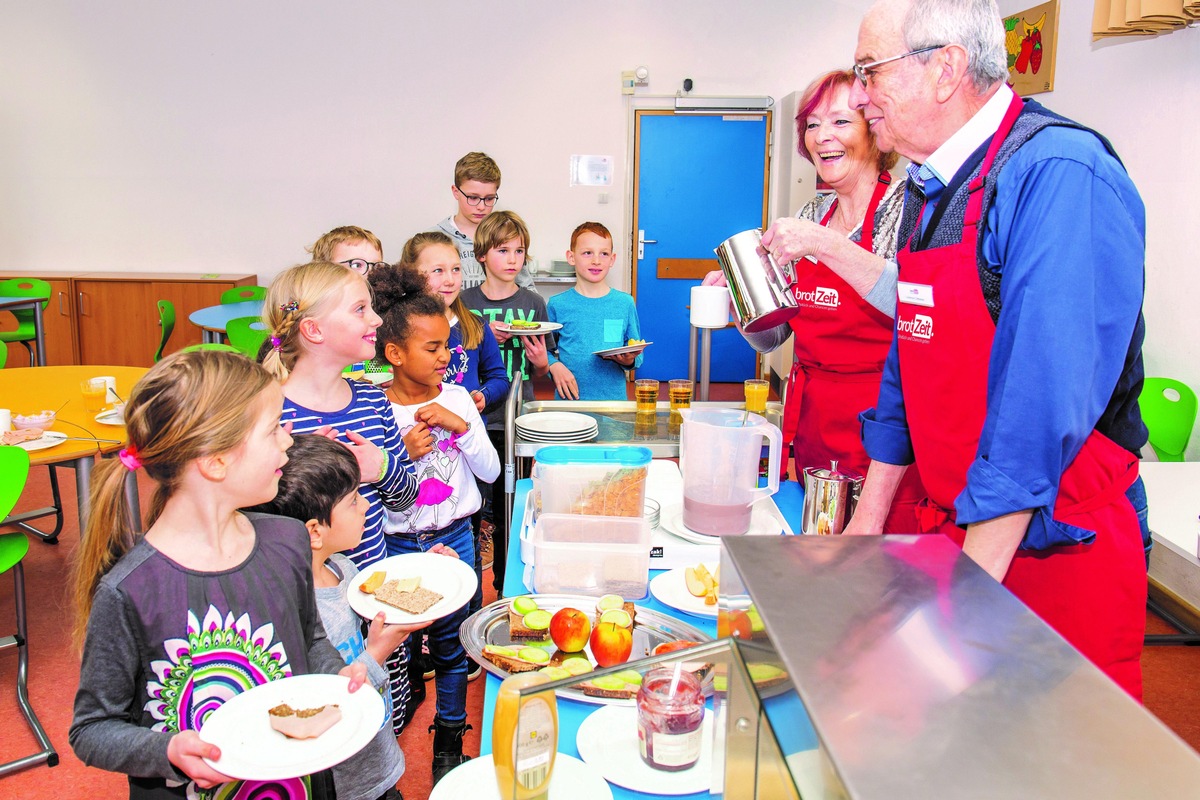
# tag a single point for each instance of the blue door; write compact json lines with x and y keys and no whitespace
{"x":699,"y":179}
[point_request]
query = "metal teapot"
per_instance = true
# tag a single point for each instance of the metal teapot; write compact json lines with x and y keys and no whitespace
{"x":830,"y":497}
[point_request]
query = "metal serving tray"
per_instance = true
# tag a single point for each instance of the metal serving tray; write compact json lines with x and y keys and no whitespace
{"x":489,"y":625}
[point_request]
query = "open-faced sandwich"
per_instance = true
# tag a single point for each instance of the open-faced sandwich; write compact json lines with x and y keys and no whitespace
{"x":613,"y":608}
{"x":22,"y":435}
{"x":516,"y":659}
{"x":622,"y":685}
{"x":527,"y":622}
{"x":764,"y":676}
{"x":525,"y":324}
{"x":303,"y":723}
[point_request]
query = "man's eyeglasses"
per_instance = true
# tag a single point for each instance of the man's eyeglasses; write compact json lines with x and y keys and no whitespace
{"x":362,"y":267}
{"x":864,"y":72}
{"x":474,"y":199}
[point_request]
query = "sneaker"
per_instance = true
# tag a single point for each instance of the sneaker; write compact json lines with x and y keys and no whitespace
{"x":425,"y":664}
{"x":473,"y":671}
{"x":485,"y":546}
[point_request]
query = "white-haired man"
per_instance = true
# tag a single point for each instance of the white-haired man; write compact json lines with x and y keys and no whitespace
{"x":1015,"y":367}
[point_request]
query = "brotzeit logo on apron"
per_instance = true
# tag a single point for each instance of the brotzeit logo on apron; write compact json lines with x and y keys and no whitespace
{"x":818,"y":297}
{"x":920,"y":327}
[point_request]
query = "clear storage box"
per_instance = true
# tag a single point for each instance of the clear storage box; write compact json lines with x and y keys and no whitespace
{"x":593,"y":481}
{"x":591,"y":555}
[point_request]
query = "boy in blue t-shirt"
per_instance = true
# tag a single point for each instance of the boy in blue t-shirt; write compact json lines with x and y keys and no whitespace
{"x":594,"y":317}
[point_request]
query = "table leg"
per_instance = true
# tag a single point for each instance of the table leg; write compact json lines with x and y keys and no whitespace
{"x":39,"y":334}
{"x":83,"y":484}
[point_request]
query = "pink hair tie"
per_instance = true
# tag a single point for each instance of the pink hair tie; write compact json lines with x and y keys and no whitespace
{"x":129,"y":457}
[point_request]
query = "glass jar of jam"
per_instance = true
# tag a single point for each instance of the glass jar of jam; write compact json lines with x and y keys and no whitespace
{"x":670,"y":710}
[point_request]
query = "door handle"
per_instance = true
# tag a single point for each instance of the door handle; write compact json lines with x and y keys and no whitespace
{"x":642,"y":242}
{"x":61,"y":313}
{"x":81,"y":305}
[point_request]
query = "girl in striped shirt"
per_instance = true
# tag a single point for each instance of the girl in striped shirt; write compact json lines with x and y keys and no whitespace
{"x":320,"y":318}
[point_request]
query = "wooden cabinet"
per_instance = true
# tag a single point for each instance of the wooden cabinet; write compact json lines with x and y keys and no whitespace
{"x":112,"y":317}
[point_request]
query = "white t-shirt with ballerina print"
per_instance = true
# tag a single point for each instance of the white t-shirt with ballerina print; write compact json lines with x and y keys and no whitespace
{"x":446,"y":475}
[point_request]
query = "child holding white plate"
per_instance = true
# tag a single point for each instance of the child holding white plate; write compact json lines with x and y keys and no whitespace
{"x":594,"y":317}
{"x":208,"y":603}
{"x":445,"y":436}
{"x":319,"y":487}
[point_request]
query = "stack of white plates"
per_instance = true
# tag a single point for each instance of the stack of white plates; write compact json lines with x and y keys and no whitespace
{"x":556,"y":427}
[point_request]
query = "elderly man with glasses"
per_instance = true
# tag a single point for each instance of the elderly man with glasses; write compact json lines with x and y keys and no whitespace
{"x":1015,"y":367}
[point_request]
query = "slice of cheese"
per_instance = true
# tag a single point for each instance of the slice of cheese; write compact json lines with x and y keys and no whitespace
{"x":408,"y":584}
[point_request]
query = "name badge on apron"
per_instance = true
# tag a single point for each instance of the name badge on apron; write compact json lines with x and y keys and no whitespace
{"x":915,"y":294}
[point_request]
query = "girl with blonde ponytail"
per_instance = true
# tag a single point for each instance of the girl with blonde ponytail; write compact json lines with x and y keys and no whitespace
{"x":320,"y":321}
{"x":210,"y":601}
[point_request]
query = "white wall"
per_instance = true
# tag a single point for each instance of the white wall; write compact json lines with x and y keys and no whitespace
{"x":224,"y":136}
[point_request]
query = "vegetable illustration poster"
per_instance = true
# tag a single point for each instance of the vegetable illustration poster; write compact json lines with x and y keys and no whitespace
{"x":1031,"y":39}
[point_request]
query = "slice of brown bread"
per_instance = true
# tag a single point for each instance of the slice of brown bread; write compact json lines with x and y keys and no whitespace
{"x":513,"y":665}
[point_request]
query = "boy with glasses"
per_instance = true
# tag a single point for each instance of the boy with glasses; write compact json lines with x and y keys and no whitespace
{"x":476,"y":183}
{"x":353,"y":247}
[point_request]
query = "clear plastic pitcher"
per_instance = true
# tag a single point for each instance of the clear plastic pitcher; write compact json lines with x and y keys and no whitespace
{"x":719,"y":459}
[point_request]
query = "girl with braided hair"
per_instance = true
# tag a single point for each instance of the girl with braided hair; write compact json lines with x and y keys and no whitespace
{"x":320,"y":318}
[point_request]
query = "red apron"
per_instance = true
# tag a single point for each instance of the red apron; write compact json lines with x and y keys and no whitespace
{"x":1094,"y":594}
{"x":840,"y":344}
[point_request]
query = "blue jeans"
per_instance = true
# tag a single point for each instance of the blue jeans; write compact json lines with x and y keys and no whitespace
{"x":1137,"y":498}
{"x":445,"y":649}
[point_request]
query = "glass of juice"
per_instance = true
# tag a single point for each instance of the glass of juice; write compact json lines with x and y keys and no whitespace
{"x":756,"y":395}
{"x":680,"y":391}
{"x":95,"y":394}
{"x":646,"y":392}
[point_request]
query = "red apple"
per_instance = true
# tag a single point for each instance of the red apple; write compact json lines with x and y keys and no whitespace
{"x":569,"y":628}
{"x":611,"y":644}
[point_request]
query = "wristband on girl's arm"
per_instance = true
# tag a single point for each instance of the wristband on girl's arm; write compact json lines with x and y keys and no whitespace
{"x":383,"y":467}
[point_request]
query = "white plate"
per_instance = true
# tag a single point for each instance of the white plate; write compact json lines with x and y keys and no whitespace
{"x":252,"y":750}
{"x":670,"y":589}
{"x":109,"y":417}
{"x":555,"y":423}
{"x":620,"y":351}
{"x":534,"y":436}
{"x":762,"y":523}
{"x":607,"y":740}
{"x":543,"y":327}
{"x":572,"y":780}
{"x":47,"y":439}
{"x":452,"y":578}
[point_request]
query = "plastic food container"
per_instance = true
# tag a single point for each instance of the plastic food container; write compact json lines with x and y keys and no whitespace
{"x":591,"y":555}
{"x":43,"y":420}
{"x":592,"y":481}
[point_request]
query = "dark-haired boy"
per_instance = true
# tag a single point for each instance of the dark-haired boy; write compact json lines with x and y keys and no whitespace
{"x":319,"y":487}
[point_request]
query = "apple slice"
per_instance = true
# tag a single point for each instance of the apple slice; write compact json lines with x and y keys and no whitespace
{"x":695,"y":583}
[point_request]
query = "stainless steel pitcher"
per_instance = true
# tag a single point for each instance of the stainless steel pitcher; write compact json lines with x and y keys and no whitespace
{"x":830,"y":497}
{"x":758,"y":286}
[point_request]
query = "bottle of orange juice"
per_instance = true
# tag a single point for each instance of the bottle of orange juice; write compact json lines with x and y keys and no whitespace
{"x":524,"y":764}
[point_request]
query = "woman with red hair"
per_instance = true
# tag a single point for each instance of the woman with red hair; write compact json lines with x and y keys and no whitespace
{"x":839,"y":251}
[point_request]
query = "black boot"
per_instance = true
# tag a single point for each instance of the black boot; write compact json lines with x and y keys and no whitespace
{"x":447,"y":747}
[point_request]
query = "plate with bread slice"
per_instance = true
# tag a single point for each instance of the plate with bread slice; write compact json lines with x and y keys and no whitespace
{"x":292,"y":727}
{"x":571,"y":636}
{"x":412,"y":588}
{"x":521,"y":327}
{"x":32,"y":439}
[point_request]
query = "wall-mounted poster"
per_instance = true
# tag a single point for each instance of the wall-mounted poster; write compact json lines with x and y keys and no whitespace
{"x":1031,"y":39}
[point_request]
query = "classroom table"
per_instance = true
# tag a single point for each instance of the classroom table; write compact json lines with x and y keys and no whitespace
{"x":33,"y":304}
{"x":213,"y":319}
{"x":789,"y":499}
{"x":29,"y":390}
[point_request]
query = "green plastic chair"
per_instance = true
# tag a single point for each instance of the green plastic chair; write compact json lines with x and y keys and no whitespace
{"x":25,"y":332}
{"x":223,"y":348}
{"x":240,"y":294}
{"x":3,"y":356}
{"x":166,"y":320}
{"x":243,"y":335}
{"x":14,"y":470}
{"x":1169,"y":411}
